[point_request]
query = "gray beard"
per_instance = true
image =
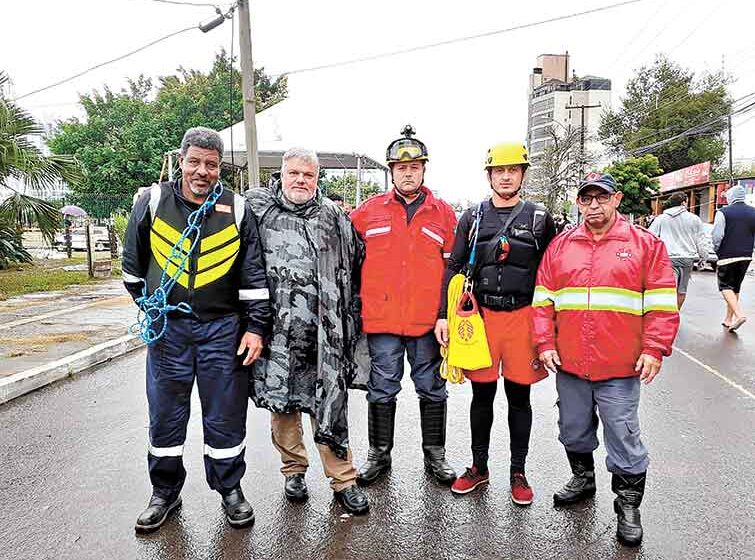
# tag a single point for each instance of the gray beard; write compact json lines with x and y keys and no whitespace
{"x":298,"y":198}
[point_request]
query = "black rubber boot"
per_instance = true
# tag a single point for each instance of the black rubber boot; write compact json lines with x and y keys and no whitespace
{"x":582,"y":483}
{"x":152,"y":518}
{"x":433,"y":417}
{"x":238,"y":511}
{"x":380,"y":423}
{"x":629,"y":489}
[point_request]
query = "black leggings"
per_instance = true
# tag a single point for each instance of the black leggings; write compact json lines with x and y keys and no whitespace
{"x":481,"y":419}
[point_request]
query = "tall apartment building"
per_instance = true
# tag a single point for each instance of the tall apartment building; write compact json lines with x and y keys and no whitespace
{"x":551,"y":90}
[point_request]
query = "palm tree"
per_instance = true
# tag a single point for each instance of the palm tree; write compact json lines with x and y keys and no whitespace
{"x":22,"y":161}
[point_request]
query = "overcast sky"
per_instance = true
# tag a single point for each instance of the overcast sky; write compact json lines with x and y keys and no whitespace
{"x":461,"y":98}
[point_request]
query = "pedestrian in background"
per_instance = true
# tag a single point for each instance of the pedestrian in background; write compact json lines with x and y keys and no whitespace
{"x":683,"y":234}
{"x":605,"y":316}
{"x":733,"y":241}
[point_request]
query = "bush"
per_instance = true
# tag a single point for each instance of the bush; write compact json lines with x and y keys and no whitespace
{"x":120,"y":222}
{"x":11,"y":249}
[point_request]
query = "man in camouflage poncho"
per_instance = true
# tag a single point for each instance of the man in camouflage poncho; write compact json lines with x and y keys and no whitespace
{"x":312,"y":258}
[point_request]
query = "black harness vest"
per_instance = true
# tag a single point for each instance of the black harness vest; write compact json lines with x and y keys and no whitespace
{"x":508,"y":285}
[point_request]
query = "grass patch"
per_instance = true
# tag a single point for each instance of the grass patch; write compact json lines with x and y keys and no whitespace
{"x":45,"y":276}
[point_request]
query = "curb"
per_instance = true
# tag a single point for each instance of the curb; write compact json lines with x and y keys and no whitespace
{"x":32,"y":379}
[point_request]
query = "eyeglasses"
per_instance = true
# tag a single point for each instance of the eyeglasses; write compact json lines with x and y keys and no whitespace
{"x":586,"y":199}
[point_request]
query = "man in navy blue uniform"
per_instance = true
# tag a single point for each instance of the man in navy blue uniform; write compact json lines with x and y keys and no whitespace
{"x":224,"y":283}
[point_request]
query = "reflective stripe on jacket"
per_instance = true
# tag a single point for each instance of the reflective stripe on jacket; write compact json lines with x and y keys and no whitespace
{"x":404,"y":263}
{"x":601,"y":304}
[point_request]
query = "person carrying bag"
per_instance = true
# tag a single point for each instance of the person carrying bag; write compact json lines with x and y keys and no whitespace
{"x":500,"y":243}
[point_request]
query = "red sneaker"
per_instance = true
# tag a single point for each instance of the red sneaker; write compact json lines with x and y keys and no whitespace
{"x":470,"y":480}
{"x":521,"y":493}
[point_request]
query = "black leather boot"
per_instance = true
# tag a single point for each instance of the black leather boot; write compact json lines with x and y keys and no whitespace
{"x":380,"y":423}
{"x":629,"y":490}
{"x":433,"y":417}
{"x":156,"y":513}
{"x":353,"y":499}
{"x":238,"y":511}
{"x":582,"y":483}
{"x":296,"y":488}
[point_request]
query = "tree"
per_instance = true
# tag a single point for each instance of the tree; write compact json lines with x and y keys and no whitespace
{"x":21,"y":161}
{"x":635,"y":178}
{"x":558,"y":169}
{"x":346,"y":186}
{"x":663,"y":100}
{"x":124,"y":136}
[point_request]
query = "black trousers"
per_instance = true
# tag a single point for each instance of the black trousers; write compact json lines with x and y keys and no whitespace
{"x":519,"y":419}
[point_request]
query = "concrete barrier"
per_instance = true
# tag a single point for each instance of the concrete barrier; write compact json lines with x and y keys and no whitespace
{"x":27,"y":381}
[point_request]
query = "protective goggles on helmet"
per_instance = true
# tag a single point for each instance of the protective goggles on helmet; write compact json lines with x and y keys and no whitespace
{"x":406,"y":149}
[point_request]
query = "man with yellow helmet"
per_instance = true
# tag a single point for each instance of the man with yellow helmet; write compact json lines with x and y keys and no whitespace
{"x":510,"y":237}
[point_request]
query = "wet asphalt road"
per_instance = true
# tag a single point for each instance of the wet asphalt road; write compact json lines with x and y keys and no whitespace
{"x":73,"y":474}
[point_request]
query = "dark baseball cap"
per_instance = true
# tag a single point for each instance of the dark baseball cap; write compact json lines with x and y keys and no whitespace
{"x":601,"y":180}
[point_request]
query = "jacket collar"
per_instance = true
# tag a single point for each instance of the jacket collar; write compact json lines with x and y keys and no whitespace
{"x":619,"y":230}
{"x":429,"y":197}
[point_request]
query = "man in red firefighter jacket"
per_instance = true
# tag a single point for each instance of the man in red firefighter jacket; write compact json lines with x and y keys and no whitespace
{"x":408,"y":234}
{"x":605,"y":316}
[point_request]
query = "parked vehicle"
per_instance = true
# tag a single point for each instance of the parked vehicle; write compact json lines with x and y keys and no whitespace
{"x":100,"y":238}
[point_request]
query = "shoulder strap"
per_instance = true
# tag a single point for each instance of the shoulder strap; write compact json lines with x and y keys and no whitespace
{"x":154,"y":200}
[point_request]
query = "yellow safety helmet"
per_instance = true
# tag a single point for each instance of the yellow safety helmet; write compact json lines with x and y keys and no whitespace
{"x":406,"y":148}
{"x":507,"y":153}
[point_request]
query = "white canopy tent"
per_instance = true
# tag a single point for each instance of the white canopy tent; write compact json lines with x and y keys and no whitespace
{"x":288,"y":124}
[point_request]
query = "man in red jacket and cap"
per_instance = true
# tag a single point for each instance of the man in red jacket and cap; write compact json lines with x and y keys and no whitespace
{"x":605,"y":316}
{"x":408,"y":234}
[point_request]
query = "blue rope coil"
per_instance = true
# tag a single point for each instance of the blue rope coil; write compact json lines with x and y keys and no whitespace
{"x":152,"y":321}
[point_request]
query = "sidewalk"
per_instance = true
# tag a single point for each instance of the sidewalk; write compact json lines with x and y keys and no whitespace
{"x":47,"y":336}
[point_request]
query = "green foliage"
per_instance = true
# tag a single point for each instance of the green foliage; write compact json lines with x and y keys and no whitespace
{"x":661,"y":101}
{"x":635,"y":177}
{"x":122,"y":140}
{"x":24,"y":210}
{"x":346,"y":186}
{"x":120,"y":222}
{"x":21,"y":160}
{"x":11,"y":249}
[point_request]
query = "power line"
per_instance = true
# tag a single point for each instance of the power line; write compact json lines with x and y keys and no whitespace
{"x":100,"y":65}
{"x":191,"y":4}
{"x":705,"y":20}
{"x":663,"y":28}
{"x":697,"y":129}
{"x":458,"y":39}
{"x":636,"y":36}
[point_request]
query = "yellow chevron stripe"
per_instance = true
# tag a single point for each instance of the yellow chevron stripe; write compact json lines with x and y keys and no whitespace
{"x":209,"y":276}
{"x":169,"y":233}
{"x":218,"y":239}
{"x":214,"y":257}
{"x":162,"y":261}
{"x":159,"y":244}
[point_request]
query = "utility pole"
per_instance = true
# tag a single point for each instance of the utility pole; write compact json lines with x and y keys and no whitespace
{"x":247,"y":86}
{"x":731,"y":160}
{"x":582,"y":109}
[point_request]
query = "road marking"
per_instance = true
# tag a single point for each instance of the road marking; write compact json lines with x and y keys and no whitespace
{"x":64,"y":311}
{"x":714,"y":372}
